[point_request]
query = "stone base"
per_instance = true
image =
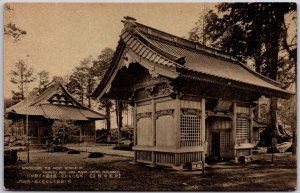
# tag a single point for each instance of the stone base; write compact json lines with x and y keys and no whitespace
{"x":178,"y":168}
{"x":245,"y":159}
{"x":194,"y":165}
{"x":234,"y":161}
{"x":133,"y":162}
{"x":151,"y":165}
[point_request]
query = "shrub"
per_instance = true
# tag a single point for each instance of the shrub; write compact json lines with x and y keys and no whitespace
{"x":124,"y":147}
{"x":73,"y":152}
{"x":96,"y":155}
{"x":59,"y":149}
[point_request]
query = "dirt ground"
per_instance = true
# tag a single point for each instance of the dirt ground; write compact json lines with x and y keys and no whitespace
{"x":259,"y":175}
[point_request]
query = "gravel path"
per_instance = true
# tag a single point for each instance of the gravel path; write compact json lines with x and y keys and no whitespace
{"x":106,"y":149}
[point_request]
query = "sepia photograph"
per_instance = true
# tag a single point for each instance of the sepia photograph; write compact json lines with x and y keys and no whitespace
{"x":150,"y":96}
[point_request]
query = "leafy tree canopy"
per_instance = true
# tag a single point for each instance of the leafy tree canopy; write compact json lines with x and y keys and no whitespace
{"x":21,"y":76}
{"x":257,"y":32}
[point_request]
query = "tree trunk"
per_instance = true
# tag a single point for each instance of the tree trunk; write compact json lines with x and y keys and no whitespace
{"x":272,"y":50}
{"x":89,"y":92}
{"x":82,"y":96}
{"x":119,"y":110}
{"x":108,"y":123}
{"x":258,"y":63}
{"x":22,"y":84}
{"x":273,"y":118}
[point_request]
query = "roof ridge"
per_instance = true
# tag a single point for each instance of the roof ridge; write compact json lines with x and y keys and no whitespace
{"x":182,"y":41}
{"x":45,"y":94}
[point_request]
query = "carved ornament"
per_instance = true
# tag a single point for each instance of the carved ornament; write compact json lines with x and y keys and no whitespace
{"x":243,"y":115}
{"x":164,"y":112}
{"x":127,"y":60}
{"x":143,"y":115}
{"x":153,"y":74}
{"x":189,"y":111}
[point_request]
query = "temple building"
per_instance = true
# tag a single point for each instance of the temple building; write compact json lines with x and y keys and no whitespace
{"x":190,"y":101}
{"x":53,"y":105}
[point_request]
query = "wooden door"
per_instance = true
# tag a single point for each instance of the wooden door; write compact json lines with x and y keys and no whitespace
{"x":215,"y":144}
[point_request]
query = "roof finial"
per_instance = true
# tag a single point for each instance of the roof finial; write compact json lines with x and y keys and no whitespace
{"x":129,"y":19}
{"x":129,"y":23}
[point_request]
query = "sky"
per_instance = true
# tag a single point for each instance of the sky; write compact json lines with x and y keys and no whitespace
{"x":60,"y":35}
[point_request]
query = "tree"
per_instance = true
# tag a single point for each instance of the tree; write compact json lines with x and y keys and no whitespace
{"x":120,"y":107}
{"x":63,"y":79}
{"x":21,"y":76}
{"x":8,"y":102}
{"x":81,"y":82}
{"x":10,"y":28}
{"x":197,"y":33}
{"x":255,"y":31}
{"x":260,"y":33}
{"x":63,"y":131}
{"x":43,"y":80}
{"x":99,"y":69}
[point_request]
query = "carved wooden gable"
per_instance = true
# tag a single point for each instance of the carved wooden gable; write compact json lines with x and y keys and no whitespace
{"x":148,"y":86}
{"x":61,"y":98}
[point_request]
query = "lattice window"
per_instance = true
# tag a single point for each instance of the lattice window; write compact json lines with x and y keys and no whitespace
{"x":225,"y":144}
{"x":242,"y":130}
{"x":190,"y":130}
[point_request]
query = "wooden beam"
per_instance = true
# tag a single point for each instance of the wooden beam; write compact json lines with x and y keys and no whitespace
{"x":203,"y":116}
{"x":234,"y":117}
{"x":80,"y":134}
{"x":177,"y":129}
{"x":153,"y":129}
{"x":134,"y":129}
{"x":251,"y":126}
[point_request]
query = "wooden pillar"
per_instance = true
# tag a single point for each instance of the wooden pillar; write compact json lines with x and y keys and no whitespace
{"x":94,"y":127}
{"x":251,"y":126}
{"x":80,"y":134}
{"x":234,"y":118}
{"x":177,"y":129}
{"x":153,"y":129}
{"x":203,"y":116}
{"x":134,"y":129}
{"x":39,"y":133}
{"x":24,"y":126}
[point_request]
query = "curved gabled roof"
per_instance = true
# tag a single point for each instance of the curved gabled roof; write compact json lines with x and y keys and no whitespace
{"x":183,"y":57}
{"x":42,"y":105}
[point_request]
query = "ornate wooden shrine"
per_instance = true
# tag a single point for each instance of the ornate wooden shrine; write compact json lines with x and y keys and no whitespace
{"x":190,"y":101}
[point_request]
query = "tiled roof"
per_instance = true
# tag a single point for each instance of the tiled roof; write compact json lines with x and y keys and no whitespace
{"x":146,"y":51}
{"x":185,"y":58}
{"x":62,"y":112}
{"x":219,"y":67}
{"x":40,"y":106}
